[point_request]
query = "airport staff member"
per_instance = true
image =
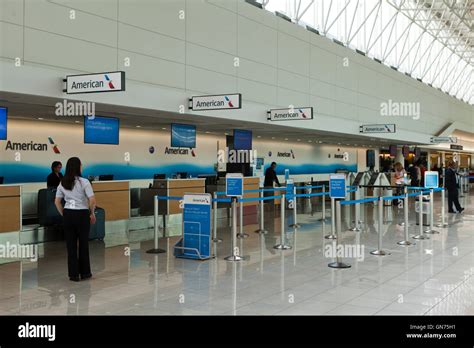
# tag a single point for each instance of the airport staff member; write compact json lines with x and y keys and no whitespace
{"x":451,"y":185}
{"x":55,"y":177}
{"x":78,"y":214}
{"x":270,"y":176}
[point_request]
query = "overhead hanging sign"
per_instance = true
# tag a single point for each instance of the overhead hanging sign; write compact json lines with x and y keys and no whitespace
{"x":377,"y":128}
{"x":304,"y":113}
{"x":442,"y":140}
{"x":456,"y":147}
{"x":216,"y":102}
{"x":95,"y":83}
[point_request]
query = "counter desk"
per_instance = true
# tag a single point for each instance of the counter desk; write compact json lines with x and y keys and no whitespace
{"x":114,"y":198}
{"x":10,"y":208}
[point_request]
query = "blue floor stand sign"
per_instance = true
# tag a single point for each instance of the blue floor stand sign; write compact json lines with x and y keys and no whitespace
{"x":196,"y":240}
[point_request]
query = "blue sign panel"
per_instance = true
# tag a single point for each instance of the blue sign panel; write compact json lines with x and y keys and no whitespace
{"x":290,"y":189}
{"x":196,"y":242}
{"x":183,"y":135}
{"x":101,"y":130}
{"x":337,"y":186}
{"x":234,"y":185}
{"x":431,"y":179}
{"x":3,"y":123}
{"x":287,"y":174}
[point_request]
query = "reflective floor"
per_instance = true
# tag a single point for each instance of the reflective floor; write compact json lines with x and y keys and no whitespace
{"x":435,"y":276}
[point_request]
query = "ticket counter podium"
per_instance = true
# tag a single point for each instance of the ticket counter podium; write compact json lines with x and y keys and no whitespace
{"x":10,"y":208}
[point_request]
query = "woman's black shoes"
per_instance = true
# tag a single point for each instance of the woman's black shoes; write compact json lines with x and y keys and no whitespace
{"x":86,"y":276}
{"x":74,"y":279}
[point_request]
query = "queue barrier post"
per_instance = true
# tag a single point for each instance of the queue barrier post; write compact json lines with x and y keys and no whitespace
{"x":443,"y":209}
{"x":156,"y":249}
{"x":323,"y":204}
{"x":406,"y":241}
{"x":295,"y":223}
{"x":380,"y":251}
{"x":282,"y":245}
{"x":431,"y":229}
{"x":356,"y":227}
{"x":241,"y":233}
{"x":262,"y":229}
{"x":420,"y":235}
{"x":214,"y":225}
{"x":333,"y":221}
{"x":235,"y":250}
{"x":338,"y":263}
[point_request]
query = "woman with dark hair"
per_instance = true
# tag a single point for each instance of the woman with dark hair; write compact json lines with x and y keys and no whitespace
{"x":54,"y":178}
{"x":78,"y":214}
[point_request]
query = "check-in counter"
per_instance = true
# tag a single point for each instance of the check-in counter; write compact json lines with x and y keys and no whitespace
{"x":168,"y":187}
{"x":251,"y":183}
{"x":10,"y":208}
{"x":114,"y":198}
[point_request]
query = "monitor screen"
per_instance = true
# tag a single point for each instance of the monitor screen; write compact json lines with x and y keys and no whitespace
{"x":242,"y":139}
{"x":101,"y":130}
{"x":431,"y":179}
{"x":370,"y":158}
{"x":3,"y":123}
{"x":183,"y":135}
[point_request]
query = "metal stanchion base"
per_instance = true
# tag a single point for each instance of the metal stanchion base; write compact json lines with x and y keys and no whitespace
{"x":420,"y":236}
{"x":339,"y":265}
{"x":430,"y":231}
{"x":260,"y":231}
{"x":282,"y":247}
{"x":330,"y":236}
{"x":234,"y":258}
{"x":242,"y":235}
{"x":442,"y":225}
{"x":294,"y":225}
{"x":379,"y":252}
{"x":405,"y":243}
{"x":156,"y":251}
{"x":355,"y":229}
{"x":217,"y":240}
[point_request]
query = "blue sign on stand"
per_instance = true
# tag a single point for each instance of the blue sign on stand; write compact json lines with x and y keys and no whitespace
{"x":290,"y":189}
{"x":431,"y":179}
{"x":196,"y":241}
{"x":287,"y":174}
{"x":337,"y":186}
{"x":234,"y":185}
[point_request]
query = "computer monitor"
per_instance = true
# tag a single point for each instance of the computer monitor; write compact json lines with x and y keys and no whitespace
{"x":159,"y":176}
{"x":1,"y":180}
{"x":182,"y":175}
{"x":106,"y":177}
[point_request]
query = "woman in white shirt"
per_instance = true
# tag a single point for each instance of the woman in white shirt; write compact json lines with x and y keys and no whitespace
{"x":78,"y":214}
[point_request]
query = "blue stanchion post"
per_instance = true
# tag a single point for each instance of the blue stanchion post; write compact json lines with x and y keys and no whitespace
{"x":282,"y":245}
{"x":156,"y":249}
{"x":338,"y":263}
{"x":380,"y":251}
{"x":235,"y":254}
{"x":261,"y":228}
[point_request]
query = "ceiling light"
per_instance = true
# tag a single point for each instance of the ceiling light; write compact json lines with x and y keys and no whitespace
{"x":207,"y":132}
{"x":259,"y":136}
{"x":320,"y":142}
{"x":273,"y":137}
{"x":164,"y":128}
{"x":298,"y":139}
{"x":286,"y":138}
{"x":40,"y":118}
{"x":226,"y":133}
{"x":77,"y":122}
{"x":310,"y":141}
{"x":138,"y":126}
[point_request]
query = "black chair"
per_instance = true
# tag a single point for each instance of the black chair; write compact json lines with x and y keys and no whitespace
{"x":159,"y":176}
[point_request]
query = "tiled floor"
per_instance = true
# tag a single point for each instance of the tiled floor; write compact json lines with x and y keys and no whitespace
{"x":435,"y":276}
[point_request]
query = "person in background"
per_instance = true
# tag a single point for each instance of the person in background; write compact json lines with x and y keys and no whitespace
{"x":399,"y":179}
{"x":451,"y":184}
{"x":413,"y":171}
{"x":422,"y":173}
{"x":54,"y":178}
{"x":78,"y":214}
{"x":270,"y":176}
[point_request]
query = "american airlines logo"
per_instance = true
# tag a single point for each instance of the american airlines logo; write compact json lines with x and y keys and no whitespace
{"x":291,"y":113}
{"x":216,"y":102}
{"x":91,"y":83}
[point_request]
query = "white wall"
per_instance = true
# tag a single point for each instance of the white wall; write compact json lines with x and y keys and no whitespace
{"x":172,"y":59}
